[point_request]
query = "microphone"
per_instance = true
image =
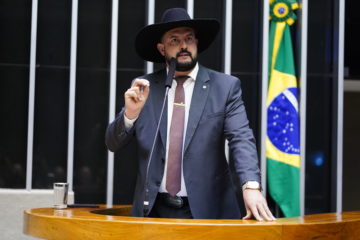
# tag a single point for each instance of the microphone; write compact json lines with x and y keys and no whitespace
{"x":170,"y":76}
{"x":168,"y":82}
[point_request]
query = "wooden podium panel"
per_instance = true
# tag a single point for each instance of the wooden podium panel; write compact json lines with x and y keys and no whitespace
{"x":115,"y":223}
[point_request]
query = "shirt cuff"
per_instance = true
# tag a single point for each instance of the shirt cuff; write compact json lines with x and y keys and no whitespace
{"x":129,"y":123}
{"x":251,"y":185}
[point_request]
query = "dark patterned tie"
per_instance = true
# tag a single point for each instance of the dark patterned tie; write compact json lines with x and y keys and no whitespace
{"x":173,"y":177}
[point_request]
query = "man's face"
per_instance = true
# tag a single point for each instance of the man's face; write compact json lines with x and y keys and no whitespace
{"x":180,"y":43}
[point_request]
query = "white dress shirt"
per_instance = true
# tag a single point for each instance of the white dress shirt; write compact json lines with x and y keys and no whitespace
{"x":188,"y":88}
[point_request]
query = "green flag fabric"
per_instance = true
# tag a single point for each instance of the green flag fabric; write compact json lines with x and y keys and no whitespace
{"x":283,"y":129}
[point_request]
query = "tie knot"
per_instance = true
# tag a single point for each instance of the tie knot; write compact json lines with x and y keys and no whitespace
{"x":181,"y":79}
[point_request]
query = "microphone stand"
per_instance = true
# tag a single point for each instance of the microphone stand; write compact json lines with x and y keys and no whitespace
{"x":168,"y":82}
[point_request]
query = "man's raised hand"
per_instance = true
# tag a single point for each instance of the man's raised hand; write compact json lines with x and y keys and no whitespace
{"x":135,"y":97}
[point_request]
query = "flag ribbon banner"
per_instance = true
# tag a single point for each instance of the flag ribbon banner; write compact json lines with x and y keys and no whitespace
{"x":283,"y":129}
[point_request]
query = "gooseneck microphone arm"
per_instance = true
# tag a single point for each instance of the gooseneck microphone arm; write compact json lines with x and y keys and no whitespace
{"x":168,"y":82}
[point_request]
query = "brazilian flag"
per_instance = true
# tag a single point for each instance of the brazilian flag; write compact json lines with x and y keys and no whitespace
{"x":283,"y":130}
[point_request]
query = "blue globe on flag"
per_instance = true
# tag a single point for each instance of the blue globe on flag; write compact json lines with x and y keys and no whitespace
{"x":283,"y":122}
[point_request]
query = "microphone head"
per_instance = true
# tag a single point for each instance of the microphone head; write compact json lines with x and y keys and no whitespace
{"x":172,"y":68}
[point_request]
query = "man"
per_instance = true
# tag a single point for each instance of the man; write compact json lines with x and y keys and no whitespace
{"x":188,"y":176}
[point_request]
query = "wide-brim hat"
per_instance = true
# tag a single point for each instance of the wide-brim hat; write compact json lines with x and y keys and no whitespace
{"x":148,"y":37}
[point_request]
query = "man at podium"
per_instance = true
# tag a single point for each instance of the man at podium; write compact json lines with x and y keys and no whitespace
{"x":188,"y":175}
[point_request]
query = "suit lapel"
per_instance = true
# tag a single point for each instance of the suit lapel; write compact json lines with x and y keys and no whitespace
{"x":198,"y":101}
{"x":157,"y":93}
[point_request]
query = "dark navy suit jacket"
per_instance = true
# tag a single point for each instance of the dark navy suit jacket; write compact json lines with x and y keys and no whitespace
{"x":217,"y":113}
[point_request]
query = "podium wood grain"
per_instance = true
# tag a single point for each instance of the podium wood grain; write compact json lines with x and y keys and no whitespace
{"x":88,"y":223}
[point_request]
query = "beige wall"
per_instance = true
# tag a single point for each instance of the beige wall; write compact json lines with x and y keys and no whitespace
{"x":14,"y":202}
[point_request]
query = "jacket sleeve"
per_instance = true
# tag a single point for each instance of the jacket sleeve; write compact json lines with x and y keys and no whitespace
{"x":241,"y":139}
{"x":116,"y":135}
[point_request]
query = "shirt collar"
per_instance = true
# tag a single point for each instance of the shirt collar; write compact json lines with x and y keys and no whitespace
{"x":193,"y":74}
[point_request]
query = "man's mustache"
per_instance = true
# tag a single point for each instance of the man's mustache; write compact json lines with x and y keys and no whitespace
{"x":183,"y":51}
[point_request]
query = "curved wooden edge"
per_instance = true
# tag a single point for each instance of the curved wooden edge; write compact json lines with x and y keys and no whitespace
{"x":87,"y":223}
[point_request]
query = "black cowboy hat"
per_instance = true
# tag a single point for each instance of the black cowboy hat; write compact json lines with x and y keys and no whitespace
{"x":150,"y":36}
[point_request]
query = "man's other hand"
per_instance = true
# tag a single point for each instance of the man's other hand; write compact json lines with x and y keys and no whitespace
{"x":256,"y":206}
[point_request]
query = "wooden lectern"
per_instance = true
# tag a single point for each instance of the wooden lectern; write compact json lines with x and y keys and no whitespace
{"x":115,"y":223}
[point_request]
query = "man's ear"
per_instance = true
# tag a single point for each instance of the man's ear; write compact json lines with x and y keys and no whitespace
{"x":161,"y":48}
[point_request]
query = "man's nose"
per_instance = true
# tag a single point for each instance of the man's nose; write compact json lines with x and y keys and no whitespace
{"x":183,"y":44}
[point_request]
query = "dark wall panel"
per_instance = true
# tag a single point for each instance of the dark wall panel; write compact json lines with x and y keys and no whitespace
{"x":352,"y":39}
{"x":15,"y":21}
{"x":15,"y":27}
{"x":320,"y":107}
{"x":351,"y":193}
{"x":13,"y":125}
{"x":51,"y":93}
{"x":132,"y":18}
{"x":92,"y":98}
{"x":214,"y":55}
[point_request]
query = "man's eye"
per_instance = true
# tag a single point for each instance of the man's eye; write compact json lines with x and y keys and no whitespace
{"x":190,"y":39}
{"x":174,"y":40}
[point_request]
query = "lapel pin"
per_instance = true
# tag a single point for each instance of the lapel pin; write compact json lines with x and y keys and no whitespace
{"x":204,"y":86}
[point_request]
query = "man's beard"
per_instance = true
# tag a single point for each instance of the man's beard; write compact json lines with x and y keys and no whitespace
{"x":183,"y":66}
